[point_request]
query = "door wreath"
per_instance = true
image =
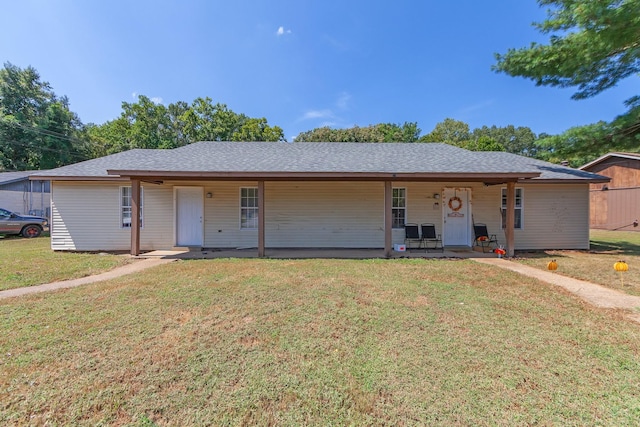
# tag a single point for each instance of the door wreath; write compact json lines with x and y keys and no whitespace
{"x":455,"y":203}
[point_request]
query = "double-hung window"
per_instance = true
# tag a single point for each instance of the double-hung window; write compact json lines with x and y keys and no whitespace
{"x":399,"y":207}
{"x":518,"y":208}
{"x":126,"y":207}
{"x":249,"y":208}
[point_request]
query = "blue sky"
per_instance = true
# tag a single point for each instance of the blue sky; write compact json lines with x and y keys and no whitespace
{"x":301,"y":64}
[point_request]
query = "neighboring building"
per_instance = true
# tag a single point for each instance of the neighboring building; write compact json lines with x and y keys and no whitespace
{"x":314,"y":195}
{"x":615,"y":205}
{"x":19,"y":194}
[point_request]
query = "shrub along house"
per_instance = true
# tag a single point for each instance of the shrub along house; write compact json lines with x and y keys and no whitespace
{"x":314,"y":195}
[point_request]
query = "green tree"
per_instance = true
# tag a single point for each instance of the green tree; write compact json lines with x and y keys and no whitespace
{"x":483,"y":143}
{"x":518,"y":140}
{"x":381,"y":132}
{"x":451,"y":131}
{"x":37,"y":128}
{"x":146,"y":124}
{"x":258,"y":130}
{"x":592,"y":46}
{"x":577,"y":145}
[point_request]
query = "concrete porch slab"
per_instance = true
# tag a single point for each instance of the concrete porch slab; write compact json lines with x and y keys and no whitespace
{"x":305,"y":253}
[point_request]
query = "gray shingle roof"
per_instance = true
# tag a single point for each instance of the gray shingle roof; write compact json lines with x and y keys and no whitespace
{"x":548,"y":171}
{"x":98,"y":167}
{"x":312,"y":157}
{"x":9,"y":177}
{"x":632,"y":156}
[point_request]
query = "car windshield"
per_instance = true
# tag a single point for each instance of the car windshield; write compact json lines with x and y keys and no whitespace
{"x":4,"y":213}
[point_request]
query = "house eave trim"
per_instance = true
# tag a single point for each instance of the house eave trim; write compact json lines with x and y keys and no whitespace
{"x":77,"y":178}
{"x":323,"y":176}
{"x":565,"y":181}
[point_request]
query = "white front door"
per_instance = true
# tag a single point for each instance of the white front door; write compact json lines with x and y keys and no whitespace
{"x":457,"y":217}
{"x":188,"y":216}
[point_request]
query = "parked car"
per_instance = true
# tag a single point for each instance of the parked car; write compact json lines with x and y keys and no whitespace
{"x":25,"y":225}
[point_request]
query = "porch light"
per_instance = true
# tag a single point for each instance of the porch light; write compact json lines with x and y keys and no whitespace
{"x":209,"y":195}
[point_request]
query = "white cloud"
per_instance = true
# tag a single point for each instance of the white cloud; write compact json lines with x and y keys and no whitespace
{"x":343,"y":101}
{"x":134,"y":95}
{"x":281,"y":31}
{"x":156,"y":100}
{"x":317,"y":114}
{"x":475,"y":107}
{"x":330,"y":116}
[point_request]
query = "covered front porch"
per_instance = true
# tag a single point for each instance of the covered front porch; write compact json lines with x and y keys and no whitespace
{"x":325,"y":214}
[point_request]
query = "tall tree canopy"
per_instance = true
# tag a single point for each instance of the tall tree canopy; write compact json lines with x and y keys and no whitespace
{"x":146,"y":124}
{"x":37,"y":128}
{"x":39,"y":131}
{"x":450,"y":131}
{"x":518,"y":140}
{"x":381,"y":132}
{"x":592,"y":46}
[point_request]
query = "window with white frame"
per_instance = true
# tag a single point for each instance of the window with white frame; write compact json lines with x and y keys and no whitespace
{"x":249,"y":208}
{"x":518,"y":208}
{"x":399,"y":207}
{"x":126,"y":208}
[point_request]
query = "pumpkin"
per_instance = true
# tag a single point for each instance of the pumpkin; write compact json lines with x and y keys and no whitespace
{"x":620,"y":266}
{"x":483,"y":239}
{"x":552,"y":265}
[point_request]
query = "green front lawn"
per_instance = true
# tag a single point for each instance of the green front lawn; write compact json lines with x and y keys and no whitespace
{"x":28,"y":262}
{"x":596,"y":265}
{"x":317,"y":342}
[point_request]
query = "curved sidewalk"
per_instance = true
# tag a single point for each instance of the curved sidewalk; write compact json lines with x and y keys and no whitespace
{"x":594,"y":294}
{"x":134,"y":267}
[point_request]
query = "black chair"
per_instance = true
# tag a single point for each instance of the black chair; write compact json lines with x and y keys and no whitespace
{"x":483,"y":238}
{"x":429,"y":236}
{"x":412,"y":236}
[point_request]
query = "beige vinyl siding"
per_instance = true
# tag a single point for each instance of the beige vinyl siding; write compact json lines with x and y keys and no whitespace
{"x":300,"y":214}
{"x":422,"y":206}
{"x":556,"y":216}
{"x":86,"y":217}
{"x":485,"y":208}
{"x":222,"y":216}
{"x":325,"y":214}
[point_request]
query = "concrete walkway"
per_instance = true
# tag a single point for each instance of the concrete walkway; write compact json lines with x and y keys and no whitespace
{"x":134,"y":267}
{"x":594,"y":294}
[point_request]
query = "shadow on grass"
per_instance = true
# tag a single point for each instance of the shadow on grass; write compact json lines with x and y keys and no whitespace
{"x":538,"y":254}
{"x":621,"y":248}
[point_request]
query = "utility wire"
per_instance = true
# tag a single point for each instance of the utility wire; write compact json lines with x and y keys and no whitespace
{"x":45,"y":132}
{"x":69,"y":153}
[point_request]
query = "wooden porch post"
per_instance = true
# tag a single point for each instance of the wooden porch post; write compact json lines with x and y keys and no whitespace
{"x":261,"y":215}
{"x":135,"y":217}
{"x":511,"y":208}
{"x":388,"y":217}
